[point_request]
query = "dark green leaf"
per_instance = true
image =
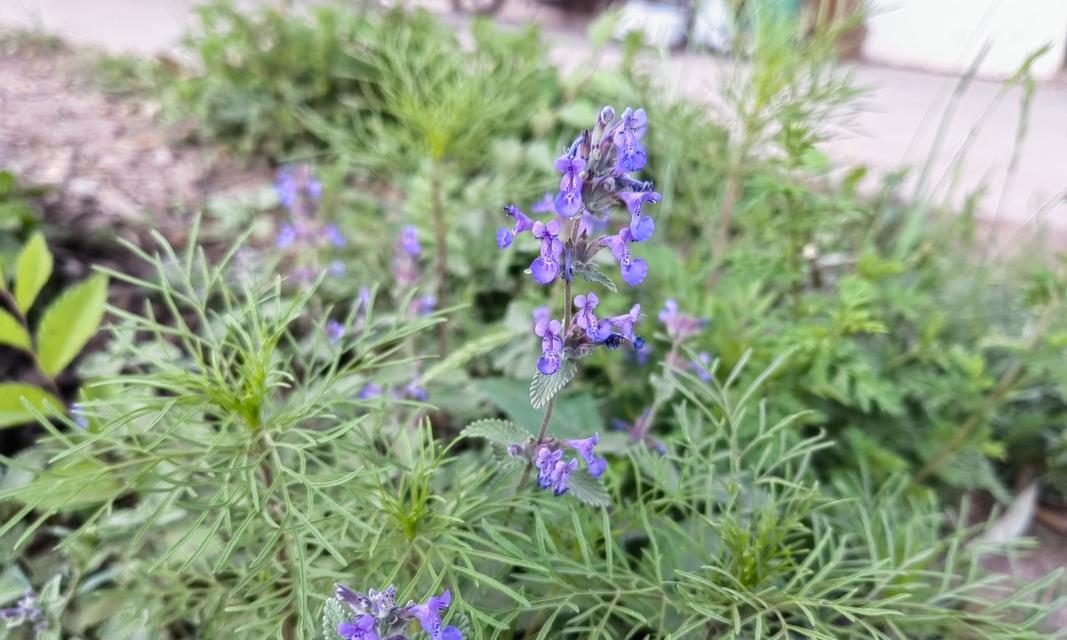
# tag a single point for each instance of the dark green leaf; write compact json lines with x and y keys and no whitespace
{"x":588,"y":489}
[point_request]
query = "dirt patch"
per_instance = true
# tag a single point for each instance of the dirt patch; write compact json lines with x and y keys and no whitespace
{"x":110,"y":167}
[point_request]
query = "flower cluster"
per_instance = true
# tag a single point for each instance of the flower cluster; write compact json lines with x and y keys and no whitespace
{"x":594,"y":178}
{"x":553,"y":472}
{"x":26,"y":611}
{"x":377,"y":616}
{"x":299,"y":193}
{"x":681,"y":327}
{"x":406,"y":253}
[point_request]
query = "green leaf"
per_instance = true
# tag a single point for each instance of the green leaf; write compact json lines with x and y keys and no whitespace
{"x":32,"y":270}
{"x":71,"y":484}
{"x":333,"y":614}
{"x":69,"y":322}
{"x":502,"y":432}
{"x":591,"y":273}
{"x":473,"y":349}
{"x":12,"y":332}
{"x":588,"y":489}
{"x":543,"y":388}
{"x":14,"y":412}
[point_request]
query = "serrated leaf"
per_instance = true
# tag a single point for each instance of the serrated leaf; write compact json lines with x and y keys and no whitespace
{"x":12,"y":332}
{"x":32,"y":270}
{"x":333,"y":614}
{"x":69,"y":322}
{"x":12,"y":409}
{"x":502,"y":432}
{"x":591,"y":273}
{"x":588,"y":489}
{"x":543,"y":388}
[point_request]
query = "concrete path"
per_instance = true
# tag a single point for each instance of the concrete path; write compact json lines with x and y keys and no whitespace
{"x":896,"y":127}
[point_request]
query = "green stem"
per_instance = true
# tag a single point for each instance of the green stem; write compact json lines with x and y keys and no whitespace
{"x":441,"y":239}
{"x":270,"y":456}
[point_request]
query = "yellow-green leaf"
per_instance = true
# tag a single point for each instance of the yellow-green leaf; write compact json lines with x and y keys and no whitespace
{"x":12,"y":332}
{"x":32,"y":270}
{"x":69,"y":322}
{"x":12,"y":406}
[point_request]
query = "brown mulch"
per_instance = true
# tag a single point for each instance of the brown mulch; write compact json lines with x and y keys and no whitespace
{"x":109,"y":165}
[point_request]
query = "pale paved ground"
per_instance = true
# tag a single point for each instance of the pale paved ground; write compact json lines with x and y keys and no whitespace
{"x":895,"y":128}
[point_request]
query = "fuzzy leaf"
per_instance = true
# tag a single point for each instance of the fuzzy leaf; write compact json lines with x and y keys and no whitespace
{"x":12,"y":332}
{"x":588,"y":489}
{"x":502,"y":432}
{"x":69,"y":322}
{"x":543,"y":388}
{"x":591,"y":273}
{"x":12,"y":410}
{"x":333,"y":614}
{"x":32,"y":270}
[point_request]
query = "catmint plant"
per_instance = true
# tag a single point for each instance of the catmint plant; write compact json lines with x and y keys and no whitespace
{"x":375,"y":616}
{"x":304,"y":236}
{"x":596,"y":182}
{"x":26,"y":611}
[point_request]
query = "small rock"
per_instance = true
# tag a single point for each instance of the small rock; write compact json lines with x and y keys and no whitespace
{"x":83,"y":187}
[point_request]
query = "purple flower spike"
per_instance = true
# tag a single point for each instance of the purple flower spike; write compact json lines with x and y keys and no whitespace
{"x":551,"y":346}
{"x":504,"y":236}
{"x":429,"y":614}
{"x":546,"y":267}
{"x":586,"y":318}
{"x":409,"y":241}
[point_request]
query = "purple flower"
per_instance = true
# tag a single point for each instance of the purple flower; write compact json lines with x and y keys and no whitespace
{"x":425,"y":305}
{"x":679,"y":326}
{"x":545,"y":461}
{"x":569,"y":200}
{"x":546,"y":267}
{"x":551,"y":346}
{"x":545,"y":205}
{"x":623,"y":325}
{"x":641,"y":226}
{"x":334,"y":331}
{"x":561,"y":474}
{"x":585,"y":448}
{"x":334,"y":236}
{"x":634,"y":123}
{"x":633,"y":270}
{"x":26,"y":610}
{"x":413,"y":390}
{"x":504,"y":236}
{"x":542,"y":314}
{"x":631,"y":155}
{"x":409,"y":241}
{"x":701,"y":366}
{"x":429,"y":616}
{"x":297,"y":189}
{"x":77,"y":413}
{"x":362,"y":628}
{"x":370,"y":391}
{"x":286,"y":236}
{"x":586,"y":318}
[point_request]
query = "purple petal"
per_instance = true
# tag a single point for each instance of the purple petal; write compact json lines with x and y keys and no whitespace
{"x":504,"y":237}
{"x":569,"y":203}
{"x":451,"y":633}
{"x":548,"y":364}
{"x":544,"y":271}
{"x":635,"y":273}
{"x":642,"y":227}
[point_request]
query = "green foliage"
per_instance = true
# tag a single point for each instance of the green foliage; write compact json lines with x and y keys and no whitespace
{"x":64,"y":328}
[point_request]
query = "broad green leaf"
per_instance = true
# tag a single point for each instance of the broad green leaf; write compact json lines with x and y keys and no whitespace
{"x":32,"y":270}
{"x":12,"y":332}
{"x":543,"y":388}
{"x":12,"y":409}
{"x":588,"y":489}
{"x":69,"y":322}
{"x":575,"y":415}
{"x":502,"y":432}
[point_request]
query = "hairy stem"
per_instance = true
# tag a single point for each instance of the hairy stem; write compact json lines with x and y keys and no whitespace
{"x":441,"y":239}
